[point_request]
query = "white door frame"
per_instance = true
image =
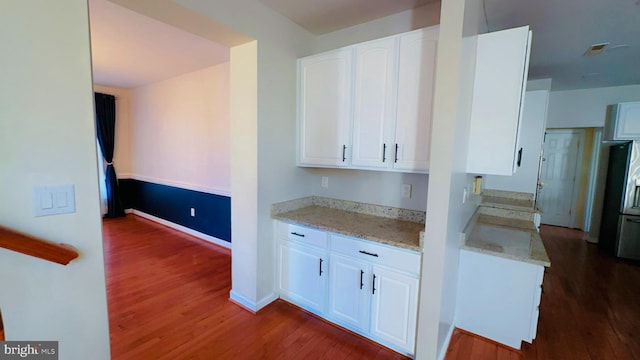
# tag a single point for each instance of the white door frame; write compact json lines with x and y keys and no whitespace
{"x":593,"y":175}
{"x":574,"y":190}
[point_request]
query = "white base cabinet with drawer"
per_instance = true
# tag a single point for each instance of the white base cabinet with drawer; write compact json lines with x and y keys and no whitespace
{"x":302,"y":265}
{"x":498,"y":298}
{"x":367,"y":287}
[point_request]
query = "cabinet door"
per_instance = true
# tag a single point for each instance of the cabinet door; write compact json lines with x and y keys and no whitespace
{"x":394,"y":308}
{"x":502,"y":63}
{"x":416,"y":75}
{"x":628,"y":121}
{"x":374,"y":103}
{"x":324,"y":108}
{"x":302,"y":275}
{"x":349,"y":286}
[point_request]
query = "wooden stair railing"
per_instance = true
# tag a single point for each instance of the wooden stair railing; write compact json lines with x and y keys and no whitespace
{"x":43,"y":249}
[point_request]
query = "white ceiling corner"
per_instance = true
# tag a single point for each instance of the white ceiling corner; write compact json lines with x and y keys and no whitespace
{"x":130,"y":50}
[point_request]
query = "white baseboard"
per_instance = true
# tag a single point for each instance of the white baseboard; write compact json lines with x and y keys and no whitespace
{"x":445,"y":345}
{"x":267,"y":300}
{"x":593,"y":239}
{"x":249,"y":304}
{"x":184,"y":229}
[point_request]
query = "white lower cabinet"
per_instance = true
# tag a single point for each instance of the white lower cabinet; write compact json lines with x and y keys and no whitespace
{"x":394,"y":305}
{"x":349,"y":291}
{"x":364,"y":286}
{"x":302,"y":266}
{"x":301,"y":275}
{"x":498,"y":298}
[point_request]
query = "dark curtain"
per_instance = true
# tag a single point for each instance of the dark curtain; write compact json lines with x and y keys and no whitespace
{"x":106,"y":129}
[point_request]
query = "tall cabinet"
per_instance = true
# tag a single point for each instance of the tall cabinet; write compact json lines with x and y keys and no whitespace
{"x":368,"y":106}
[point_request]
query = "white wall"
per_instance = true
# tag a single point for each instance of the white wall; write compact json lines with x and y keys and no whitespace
{"x":447,"y":215}
{"x":270,"y":153}
{"x":179,"y":131}
{"x":122,"y":147}
{"x":531,"y":137}
{"x":373,"y":187}
{"x":47,"y":137}
{"x":586,"y":107}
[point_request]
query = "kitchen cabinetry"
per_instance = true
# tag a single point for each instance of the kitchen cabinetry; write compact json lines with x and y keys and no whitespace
{"x":349,"y":299}
{"x":379,"y":287}
{"x":324,"y":108}
{"x":302,"y":266}
{"x":372,"y":288}
{"x":388,"y":108}
{"x":623,"y":122}
{"x":498,"y":298}
{"x":502,"y":63}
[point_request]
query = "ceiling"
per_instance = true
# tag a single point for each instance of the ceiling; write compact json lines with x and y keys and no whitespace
{"x":564,"y":29}
{"x":324,"y":16}
{"x":130,"y":49}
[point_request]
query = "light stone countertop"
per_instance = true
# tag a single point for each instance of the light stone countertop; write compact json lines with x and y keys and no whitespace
{"x":508,"y":200}
{"x":514,"y":239}
{"x":400,"y":233}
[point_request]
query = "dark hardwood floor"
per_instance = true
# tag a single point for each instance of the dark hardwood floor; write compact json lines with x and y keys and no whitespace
{"x":590,"y":307}
{"x":168,"y":296}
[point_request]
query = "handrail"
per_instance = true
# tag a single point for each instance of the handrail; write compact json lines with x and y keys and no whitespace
{"x":43,"y":249}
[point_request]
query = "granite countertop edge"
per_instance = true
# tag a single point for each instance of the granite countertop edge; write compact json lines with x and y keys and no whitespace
{"x":537,"y":254}
{"x":347,"y":232}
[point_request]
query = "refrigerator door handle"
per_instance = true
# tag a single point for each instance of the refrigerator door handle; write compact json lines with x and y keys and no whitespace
{"x":634,"y":221}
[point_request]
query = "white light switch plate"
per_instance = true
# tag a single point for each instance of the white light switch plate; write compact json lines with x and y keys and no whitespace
{"x":53,"y":200}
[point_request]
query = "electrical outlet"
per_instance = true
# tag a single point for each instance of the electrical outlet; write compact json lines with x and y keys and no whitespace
{"x":325,"y":182}
{"x":406,"y":191}
{"x":193,"y":212}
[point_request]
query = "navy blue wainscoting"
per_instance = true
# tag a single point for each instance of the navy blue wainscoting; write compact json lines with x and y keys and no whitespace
{"x":213,"y":212}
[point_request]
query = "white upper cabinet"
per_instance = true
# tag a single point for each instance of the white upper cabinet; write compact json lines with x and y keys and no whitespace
{"x":374,"y":102}
{"x":416,"y":77}
{"x":623,"y":122}
{"x":502,"y":63}
{"x":324,"y":108}
{"x":377,"y":113}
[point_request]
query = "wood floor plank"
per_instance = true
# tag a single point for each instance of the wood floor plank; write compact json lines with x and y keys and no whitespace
{"x":168,"y":298}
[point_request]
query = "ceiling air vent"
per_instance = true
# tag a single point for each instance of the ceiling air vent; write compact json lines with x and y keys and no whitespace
{"x":595,"y":49}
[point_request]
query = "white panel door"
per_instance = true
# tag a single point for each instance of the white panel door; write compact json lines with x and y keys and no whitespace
{"x":416,"y":77}
{"x":349,"y":297}
{"x":302,"y":275}
{"x":324,"y":108}
{"x":558,"y":175}
{"x":374,"y":103}
{"x":394,"y":307}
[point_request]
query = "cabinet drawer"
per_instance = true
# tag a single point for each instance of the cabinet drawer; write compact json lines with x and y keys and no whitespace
{"x":301,"y":234}
{"x":376,"y":253}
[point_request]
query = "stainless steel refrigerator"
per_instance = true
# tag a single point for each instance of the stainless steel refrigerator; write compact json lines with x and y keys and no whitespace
{"x":620,"y":227}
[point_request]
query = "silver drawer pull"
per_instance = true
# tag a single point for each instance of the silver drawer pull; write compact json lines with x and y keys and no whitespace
{"x":367,"y":253}
{"x":296,"y":234}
